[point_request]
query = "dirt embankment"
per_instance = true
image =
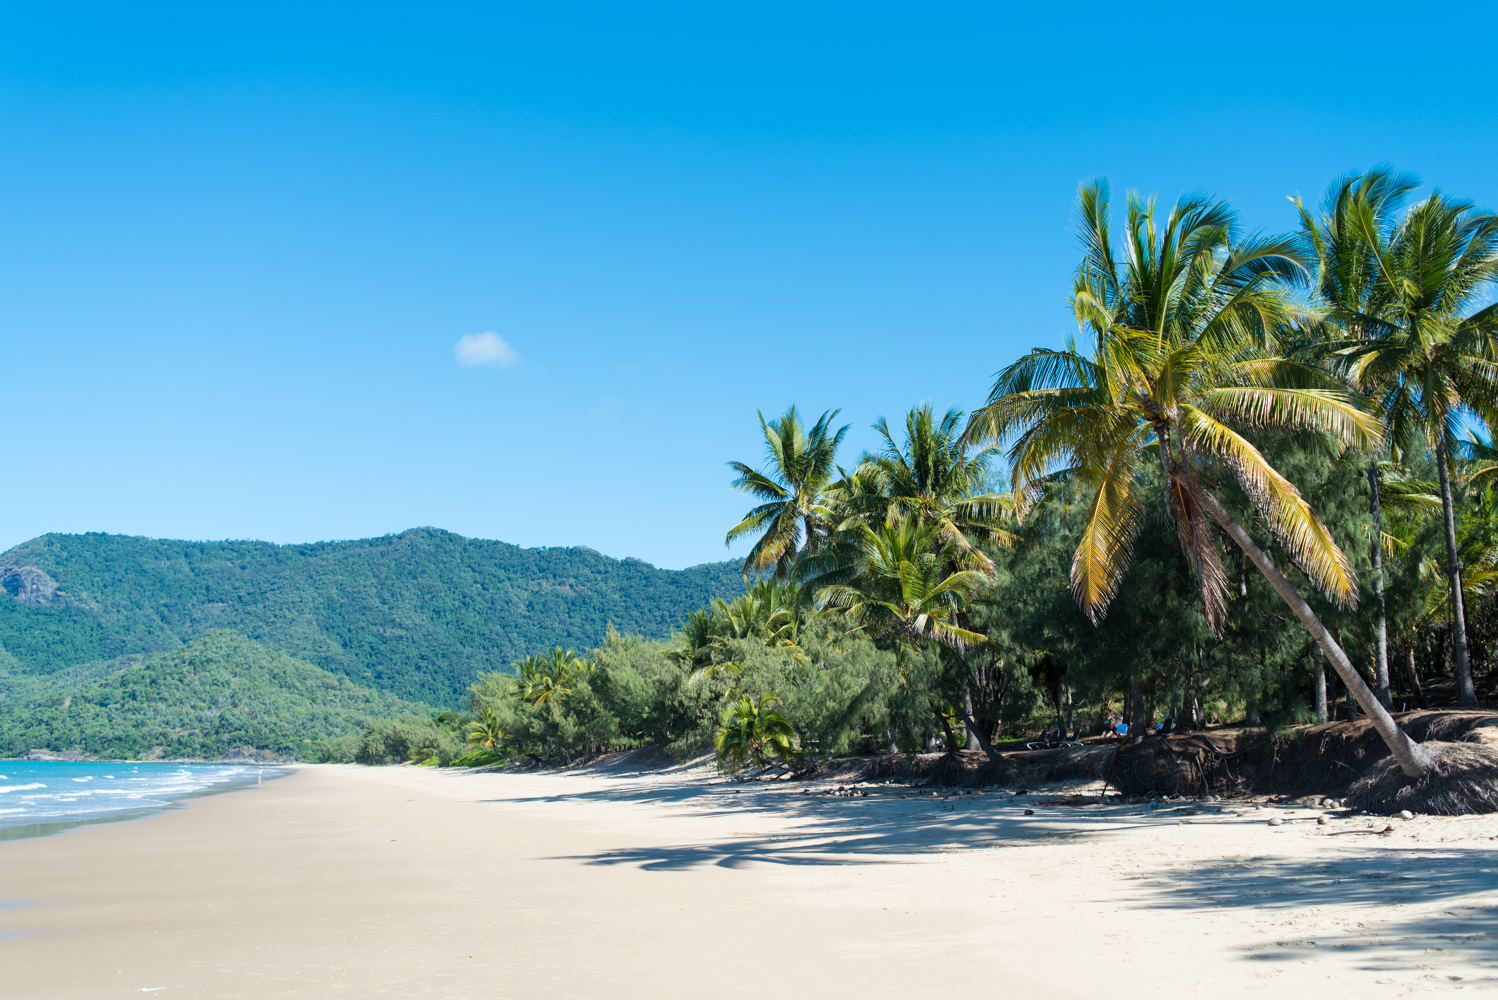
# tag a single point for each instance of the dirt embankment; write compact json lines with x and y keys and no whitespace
{"x":1311,"y":760}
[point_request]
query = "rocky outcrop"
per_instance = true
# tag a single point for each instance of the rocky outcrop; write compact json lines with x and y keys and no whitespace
{"x":29,"y":585}
{"x":250,"y":755}
{"x":68,"y":755}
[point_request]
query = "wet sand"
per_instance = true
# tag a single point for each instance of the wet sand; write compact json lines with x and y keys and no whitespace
{"x":405,"y":882}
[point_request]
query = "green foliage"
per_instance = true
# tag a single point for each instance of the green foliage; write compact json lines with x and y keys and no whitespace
{"x":420,"y":614}
{"x":903,"y":587}
{"x":485,"y":732}
{"x":793,"y":492}
{"x":478,"y":758}
{"x":213,"y":695}
{"x":753,"y":732}
{"x":411,"y":739}
{"x":552,"y":676}
{"x":840,"y":692}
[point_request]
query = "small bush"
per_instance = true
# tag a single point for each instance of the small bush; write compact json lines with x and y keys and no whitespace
{"x":482,"y":757}
{"x":391,"y":741}
{"x":337,"y":749}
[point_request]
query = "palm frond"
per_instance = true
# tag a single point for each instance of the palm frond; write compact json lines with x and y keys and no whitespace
{"x":1289,"y":516}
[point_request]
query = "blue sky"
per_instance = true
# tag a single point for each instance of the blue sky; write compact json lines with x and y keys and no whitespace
{"x":239,"y":247}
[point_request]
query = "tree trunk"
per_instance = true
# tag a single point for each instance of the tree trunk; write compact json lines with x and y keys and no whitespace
{"x":1352,"y":706}
{"x":1318,"y":683}
{"x":1136,"y":711}
{"x":1454,"y":576}
{"x":1251,"y":697}
{"x":1415,"y":678}
{"x":1413,"y":759}
{"x":946,"y":728}
{"x":975,"y":735}
{"x":1193,"y":665}
{"x":1380,"y":625}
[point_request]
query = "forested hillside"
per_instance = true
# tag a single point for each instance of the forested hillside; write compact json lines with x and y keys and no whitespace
{"x":419,"y":614}
{"x":214,"y":695}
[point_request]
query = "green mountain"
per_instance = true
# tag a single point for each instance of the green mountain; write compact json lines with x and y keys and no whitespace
{"x":419,"y":614}
{"x":217,"y":694}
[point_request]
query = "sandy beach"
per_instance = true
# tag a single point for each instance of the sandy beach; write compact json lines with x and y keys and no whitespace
{"x":404,"y":882}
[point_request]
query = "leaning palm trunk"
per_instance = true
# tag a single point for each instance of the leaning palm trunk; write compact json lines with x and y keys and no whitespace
{"x":1454,"y":574}
{"x":1413,"y":759}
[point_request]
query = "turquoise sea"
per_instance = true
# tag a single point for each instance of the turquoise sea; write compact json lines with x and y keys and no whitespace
{"x":38,"y":798}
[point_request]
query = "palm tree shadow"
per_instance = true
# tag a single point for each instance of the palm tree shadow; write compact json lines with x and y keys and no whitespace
{"x":830,"y":831}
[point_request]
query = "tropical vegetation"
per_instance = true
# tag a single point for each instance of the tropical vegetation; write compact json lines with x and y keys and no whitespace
{"x":1259,"y":456}
{"x":219,"y":694}
{"x":1262,"y":455}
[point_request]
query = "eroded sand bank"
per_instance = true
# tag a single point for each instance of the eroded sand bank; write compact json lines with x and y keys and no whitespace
{"x":403,"y":882}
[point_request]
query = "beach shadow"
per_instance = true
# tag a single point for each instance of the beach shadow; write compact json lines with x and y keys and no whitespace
{"x":828,"y":830}
{"x":1417,"y":906}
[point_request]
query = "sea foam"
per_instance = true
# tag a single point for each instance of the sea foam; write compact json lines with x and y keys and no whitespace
{"x":42,"y":797}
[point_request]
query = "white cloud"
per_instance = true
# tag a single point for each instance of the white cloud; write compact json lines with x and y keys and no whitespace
{"x":485,"y":349}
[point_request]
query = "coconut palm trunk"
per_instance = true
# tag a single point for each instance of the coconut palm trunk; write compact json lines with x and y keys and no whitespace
{"x":1414,"y":760}
{"x":1464,"y":687}
{"x":1318,"y":684}
{"x":1381,"y":623}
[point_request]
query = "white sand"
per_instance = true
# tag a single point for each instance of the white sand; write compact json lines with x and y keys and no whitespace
{"x":403,"y":882}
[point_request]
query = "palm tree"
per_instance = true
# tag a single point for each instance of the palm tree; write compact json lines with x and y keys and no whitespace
{"x":753,"y":730}
{"x":794,"y":512}
{"x":934,"y":480}
{"x":1342,"y":281}
{"x":901,"y":587}
{"x":768,"y":614}
{"x":1403,"y":292}
{"x":485,"y":732}
{"x":1483,"y":470}
{"x":692,"y":645}
{"x":1182,"y":330}
{"x":550,"y":677}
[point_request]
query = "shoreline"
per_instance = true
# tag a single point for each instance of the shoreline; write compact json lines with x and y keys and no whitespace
{"x":341,"y":880}
{"x":156,"y":800}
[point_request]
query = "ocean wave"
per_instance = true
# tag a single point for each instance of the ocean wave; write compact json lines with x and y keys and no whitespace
{"x":89,"y":795}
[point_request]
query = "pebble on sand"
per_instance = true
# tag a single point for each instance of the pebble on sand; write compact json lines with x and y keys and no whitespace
{"x":1276,"y":821}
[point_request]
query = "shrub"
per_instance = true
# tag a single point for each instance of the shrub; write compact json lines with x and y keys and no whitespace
{"x":481,"y":757}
